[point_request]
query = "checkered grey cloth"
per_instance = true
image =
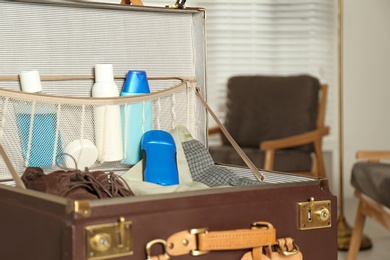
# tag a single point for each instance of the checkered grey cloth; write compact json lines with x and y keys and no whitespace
{"x":204,"y":170}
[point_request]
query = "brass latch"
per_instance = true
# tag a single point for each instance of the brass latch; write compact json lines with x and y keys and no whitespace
{"x":107,"y":241}
{"x":314,"y":214}
{"x":180,"y":4}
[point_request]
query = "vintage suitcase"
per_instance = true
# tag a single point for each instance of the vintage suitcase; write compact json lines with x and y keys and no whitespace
{"x":63,"y":40}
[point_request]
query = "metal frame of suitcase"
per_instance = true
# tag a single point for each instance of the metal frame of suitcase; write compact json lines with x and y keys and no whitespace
{"x":40,"y":226}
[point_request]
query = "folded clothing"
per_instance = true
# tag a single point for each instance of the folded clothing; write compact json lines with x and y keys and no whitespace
{"x":204,"y":170}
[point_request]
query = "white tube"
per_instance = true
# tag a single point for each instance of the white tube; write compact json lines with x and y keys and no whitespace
{"x":108,"y":132}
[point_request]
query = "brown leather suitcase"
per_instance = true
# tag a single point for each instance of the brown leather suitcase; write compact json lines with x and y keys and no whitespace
{"x":37,"y":226}
{"x":67,"y":38}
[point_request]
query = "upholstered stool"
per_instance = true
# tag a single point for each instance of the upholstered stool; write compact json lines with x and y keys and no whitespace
{"x":371,"y":181}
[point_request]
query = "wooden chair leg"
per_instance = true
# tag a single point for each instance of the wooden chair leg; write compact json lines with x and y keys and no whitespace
{"x":319,"y":159}
{"x":314,"y":165}
{"x":357,"y":233}
{"x":269,"y":159}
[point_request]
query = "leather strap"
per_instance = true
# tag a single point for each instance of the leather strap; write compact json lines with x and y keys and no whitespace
{"x":133,"y":2}
{"x":194,"y":242}
{"x":255,"y":254}
{"x":247,"y":256}
{"x":285,"y":249}
{"x":235,"y":239}
{"x":136,"y":2}
{"x":286,"y":244}
{"x":236,"y":147}
{"x":159,"y":257}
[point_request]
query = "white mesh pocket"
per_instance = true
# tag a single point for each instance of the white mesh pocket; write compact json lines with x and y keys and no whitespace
{"x":36,"y":128}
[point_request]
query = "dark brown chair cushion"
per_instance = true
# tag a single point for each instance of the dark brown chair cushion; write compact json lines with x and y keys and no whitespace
{"x":372,"y":179}
{"x":263,"y":108}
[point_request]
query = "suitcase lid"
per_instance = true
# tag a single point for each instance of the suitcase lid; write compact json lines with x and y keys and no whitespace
{"x":69,"y":38}
{"x":62,"y":38}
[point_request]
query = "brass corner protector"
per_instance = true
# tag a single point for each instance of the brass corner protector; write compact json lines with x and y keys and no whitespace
{"x":81,"y":207}
{"x":324,"y":184}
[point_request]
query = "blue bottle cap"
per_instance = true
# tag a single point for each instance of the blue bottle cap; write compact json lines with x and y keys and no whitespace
{"x":136,"y":83}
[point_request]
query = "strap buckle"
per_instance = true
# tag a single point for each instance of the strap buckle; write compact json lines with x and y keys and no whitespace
{"x":285,"y":250}
{"x":197,"y":231}
{"x":149,"y":245}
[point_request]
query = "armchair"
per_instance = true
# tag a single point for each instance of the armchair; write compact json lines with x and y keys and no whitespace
{"x":277,"y":121}
{"x":371,"y":180}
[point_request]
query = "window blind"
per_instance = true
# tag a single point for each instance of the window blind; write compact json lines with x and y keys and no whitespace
{"x":270,"y":37}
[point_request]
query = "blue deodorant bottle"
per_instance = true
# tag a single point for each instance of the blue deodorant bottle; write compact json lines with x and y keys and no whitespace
{"x":136,"y":117}
{"x":159,"y":158}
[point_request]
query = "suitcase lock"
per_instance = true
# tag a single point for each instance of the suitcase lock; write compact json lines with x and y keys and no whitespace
{"x":107,"y":241}
{"x":314,"y":214}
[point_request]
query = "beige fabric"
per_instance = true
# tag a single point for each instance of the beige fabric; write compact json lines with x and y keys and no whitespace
{"x":181,"y":134}
{"x":134,"y":176}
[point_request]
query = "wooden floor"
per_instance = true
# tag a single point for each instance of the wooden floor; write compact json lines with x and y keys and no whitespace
{"x":380,"y":237}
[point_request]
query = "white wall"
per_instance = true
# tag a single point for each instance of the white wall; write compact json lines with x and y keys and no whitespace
{"x":366,"y":81}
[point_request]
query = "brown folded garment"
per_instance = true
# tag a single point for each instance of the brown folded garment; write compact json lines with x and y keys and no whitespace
{"x":76,"y":184}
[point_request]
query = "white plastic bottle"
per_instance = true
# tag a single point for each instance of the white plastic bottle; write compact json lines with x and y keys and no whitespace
{"x":108,"y":132}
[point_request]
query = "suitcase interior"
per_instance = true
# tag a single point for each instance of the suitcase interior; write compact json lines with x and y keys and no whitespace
{"x":68,"y":38}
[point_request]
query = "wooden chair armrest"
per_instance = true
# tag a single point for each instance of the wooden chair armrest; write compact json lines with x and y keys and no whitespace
{"x":214,"y":130}
{"x":294,"y":140}
{"x":373,"y":156}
